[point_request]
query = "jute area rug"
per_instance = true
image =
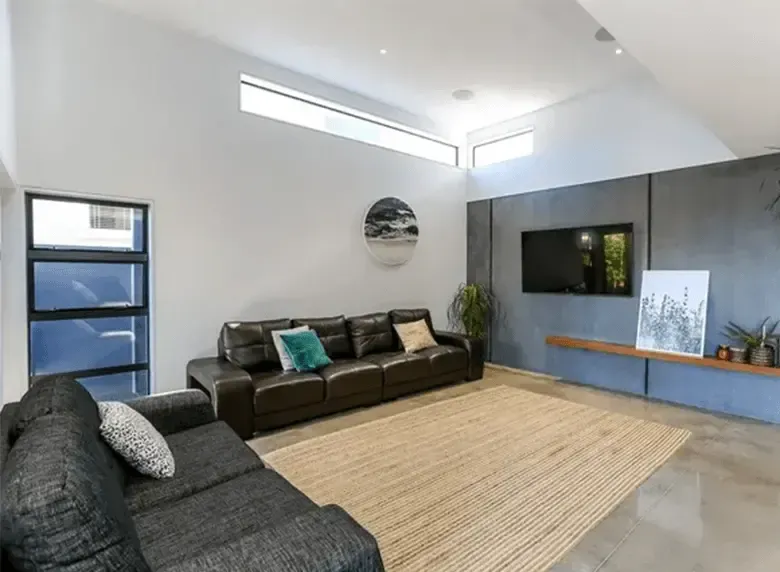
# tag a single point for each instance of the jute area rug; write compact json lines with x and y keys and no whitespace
{"x":501,"y":479}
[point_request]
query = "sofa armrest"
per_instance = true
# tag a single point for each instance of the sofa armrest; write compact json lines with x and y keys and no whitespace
{"x":326,"y":540}
{"x":475,"y":348}
{"x":231,"y":390}
{"x":175,"y":411}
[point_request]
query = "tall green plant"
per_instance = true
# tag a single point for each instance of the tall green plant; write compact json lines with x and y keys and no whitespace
{"x":471,"y":309}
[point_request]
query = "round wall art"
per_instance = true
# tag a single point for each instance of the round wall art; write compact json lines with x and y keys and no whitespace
{"x":390,"y":231}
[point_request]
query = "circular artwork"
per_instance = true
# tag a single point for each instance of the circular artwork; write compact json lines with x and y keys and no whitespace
{"x":390,"y":230}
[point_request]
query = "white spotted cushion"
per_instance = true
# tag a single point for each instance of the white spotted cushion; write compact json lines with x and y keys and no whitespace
{"x":133,"y":437}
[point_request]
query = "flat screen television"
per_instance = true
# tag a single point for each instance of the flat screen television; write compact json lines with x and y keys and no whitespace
{"x":588,"y":260}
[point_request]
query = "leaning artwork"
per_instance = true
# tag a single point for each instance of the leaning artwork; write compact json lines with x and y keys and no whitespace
{"x":673,"y":311}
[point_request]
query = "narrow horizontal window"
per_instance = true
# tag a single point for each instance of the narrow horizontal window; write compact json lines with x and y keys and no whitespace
{"x":73,"y":285}
{"x":504,"y":149}
{"x":59,"y":346}
{"x":65,"y":224}
{"x":300,"y":109}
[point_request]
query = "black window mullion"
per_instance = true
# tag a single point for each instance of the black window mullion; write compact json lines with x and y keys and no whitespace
{"x":105,"y":256}
{"x":97,"y":372}
{"x":88,"y":313}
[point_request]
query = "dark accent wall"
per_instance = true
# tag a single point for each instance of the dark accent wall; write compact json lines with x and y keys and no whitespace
{"x":478,"y":228}
{"x":701,"y":218}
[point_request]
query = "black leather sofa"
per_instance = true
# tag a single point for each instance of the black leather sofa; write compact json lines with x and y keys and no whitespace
{"x":251,"y":393}
{"x":70,"y":504}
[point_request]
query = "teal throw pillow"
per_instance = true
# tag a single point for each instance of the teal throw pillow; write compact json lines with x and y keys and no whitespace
{"x":306,"y":351}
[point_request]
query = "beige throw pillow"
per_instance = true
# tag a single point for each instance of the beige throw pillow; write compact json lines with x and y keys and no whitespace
{"x":415,"y":336}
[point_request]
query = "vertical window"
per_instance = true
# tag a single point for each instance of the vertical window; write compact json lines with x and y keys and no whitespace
{"x":88,"y":293}
{"x":504,"y":149}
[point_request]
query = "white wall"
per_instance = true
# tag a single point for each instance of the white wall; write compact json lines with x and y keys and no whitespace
{"x":7,"y":121}
{"x":632,"y":128}
{"x":251,"y":218}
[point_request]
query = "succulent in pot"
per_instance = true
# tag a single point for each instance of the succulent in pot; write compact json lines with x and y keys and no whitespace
{"x":755,"y":342}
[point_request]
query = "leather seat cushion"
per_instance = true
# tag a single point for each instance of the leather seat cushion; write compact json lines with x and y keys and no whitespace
{"x":350,"y":377}
{"x":281,"y":390}
{"x":445,"y":359}
{"x":400,"y":367}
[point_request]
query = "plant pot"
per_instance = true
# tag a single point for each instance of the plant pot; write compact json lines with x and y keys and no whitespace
{"x":738,"y":355}
{"x":762,"y":356}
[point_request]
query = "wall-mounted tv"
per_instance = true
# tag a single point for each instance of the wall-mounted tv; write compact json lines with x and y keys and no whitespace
{"x":588,"y":260}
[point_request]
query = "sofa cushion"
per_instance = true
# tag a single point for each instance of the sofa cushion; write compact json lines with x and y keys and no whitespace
{"x":333,"y":334}
{"x":133,"y":437}
{"x":400,"y":367}
{"x":445,"y":359}
{"x":63,"y":508}
{"x":350,"y":377}
{"x":415,"y":336}
{"x":281,"y":351}
{"x":250,"y":345}
{"x":227,"y":457}
{"x":7,"y":420}
{"x":370,"y":333}
{"x":404,"y":316}
{"x":219,"y":515}
{"x":411,"y":315}
{"x":55,"y":394}
{"x":63,"y":395}
{"x":306,"y":351}
{"x":324,"y":540}
{"x":280,"y":390}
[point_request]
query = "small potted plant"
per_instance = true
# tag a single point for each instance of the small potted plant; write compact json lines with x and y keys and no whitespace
{"x":472,"y":308}
{"x":755,"y":343}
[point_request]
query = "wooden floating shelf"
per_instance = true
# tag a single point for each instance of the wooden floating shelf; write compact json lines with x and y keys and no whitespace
{"x":626,"y":350}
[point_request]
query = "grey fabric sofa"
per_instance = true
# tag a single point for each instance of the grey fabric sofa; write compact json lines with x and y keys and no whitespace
{"x":69,"y":503}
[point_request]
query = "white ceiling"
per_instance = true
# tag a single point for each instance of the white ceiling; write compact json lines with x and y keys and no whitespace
{"x":720,"y":58}
{"x":516,"y":55}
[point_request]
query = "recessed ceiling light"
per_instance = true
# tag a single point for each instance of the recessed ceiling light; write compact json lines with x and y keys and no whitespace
{"x":619,"y":51}
{"x":463,"y":95}
{"x":383,"y":51}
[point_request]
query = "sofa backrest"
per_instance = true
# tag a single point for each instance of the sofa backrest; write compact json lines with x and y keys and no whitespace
{"x":250,"y":345}
{"x":370,"y":333}
{"x":332,"y":333}
{"x":63,"y":501}
{"x":405,"y":316}
{"x":7,"y":420}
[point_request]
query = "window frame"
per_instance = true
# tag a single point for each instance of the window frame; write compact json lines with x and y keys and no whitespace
{"x":511,"y":135}
{"x":346,"y":112}
{"x":76,"y":255}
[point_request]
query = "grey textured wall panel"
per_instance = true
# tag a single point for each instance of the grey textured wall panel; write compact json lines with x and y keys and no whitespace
{"x":478,"y":242}
{"x":703,"y":218}
{"x":714,"y":218}
{"x":756,"y":396}
{"x":519,"y":337}
{"x":619,"y":373}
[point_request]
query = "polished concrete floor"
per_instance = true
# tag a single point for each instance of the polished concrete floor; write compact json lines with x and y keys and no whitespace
{"x":714,"y":507}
